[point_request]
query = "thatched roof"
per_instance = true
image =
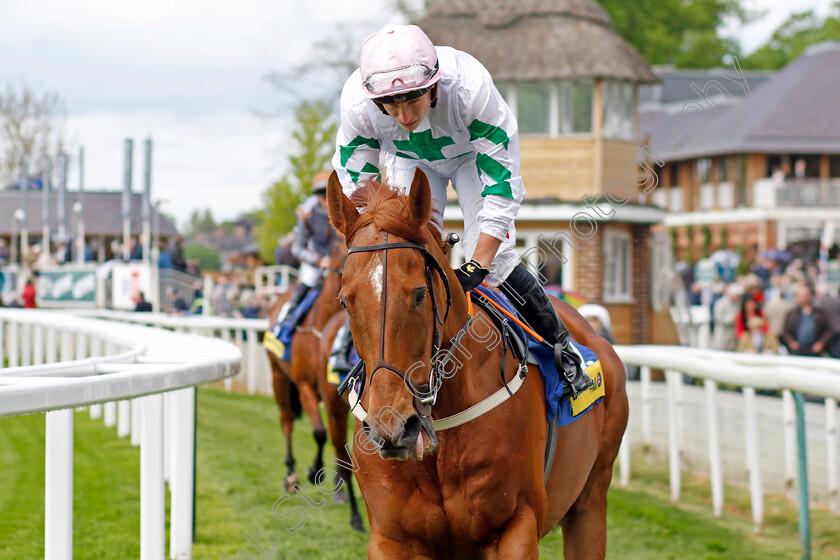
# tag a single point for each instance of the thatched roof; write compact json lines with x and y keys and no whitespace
{"x":537,"y":39}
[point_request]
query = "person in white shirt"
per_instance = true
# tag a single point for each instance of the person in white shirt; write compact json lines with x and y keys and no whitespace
{"x":437,"y":109}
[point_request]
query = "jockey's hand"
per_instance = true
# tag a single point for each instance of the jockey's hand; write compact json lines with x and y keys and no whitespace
{"x":324,"y":262}
{"x":470,"y":275}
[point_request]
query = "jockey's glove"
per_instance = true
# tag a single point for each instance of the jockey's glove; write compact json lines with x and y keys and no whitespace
{"x":470,"y":274}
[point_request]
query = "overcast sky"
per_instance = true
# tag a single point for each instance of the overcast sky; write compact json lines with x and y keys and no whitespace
{"x":190,"y":74}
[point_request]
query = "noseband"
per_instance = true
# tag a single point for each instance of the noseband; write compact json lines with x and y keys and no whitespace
{"x":422,"y":405}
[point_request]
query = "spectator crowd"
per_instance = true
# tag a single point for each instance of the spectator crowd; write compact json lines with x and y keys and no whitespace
{"x":777,"y":307}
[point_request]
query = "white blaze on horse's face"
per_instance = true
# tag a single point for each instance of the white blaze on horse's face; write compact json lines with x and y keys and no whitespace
{"x":376,"y":277}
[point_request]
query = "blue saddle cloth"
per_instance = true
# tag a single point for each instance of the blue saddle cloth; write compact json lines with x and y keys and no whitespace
{"x":283,"y":331}
{"x":555,"y":406}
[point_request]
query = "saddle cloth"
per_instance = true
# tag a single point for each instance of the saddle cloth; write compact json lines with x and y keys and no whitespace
{"x":565,"y":410}
{"x":279,"y":340}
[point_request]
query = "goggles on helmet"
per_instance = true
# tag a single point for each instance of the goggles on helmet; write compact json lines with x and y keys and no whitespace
{"x":396,"y":80}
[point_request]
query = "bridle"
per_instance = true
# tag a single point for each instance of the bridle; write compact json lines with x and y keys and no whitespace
{"x":423,"y":404}
{"x":429,"y":392}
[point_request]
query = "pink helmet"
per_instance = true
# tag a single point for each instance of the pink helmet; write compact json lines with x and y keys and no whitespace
{"x":396,"y":60}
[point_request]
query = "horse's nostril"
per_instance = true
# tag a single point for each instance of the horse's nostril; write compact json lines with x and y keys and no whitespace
{"x":411,"y":429}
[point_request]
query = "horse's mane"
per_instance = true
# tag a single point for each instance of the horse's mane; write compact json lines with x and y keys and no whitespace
{"x":385,"y":208}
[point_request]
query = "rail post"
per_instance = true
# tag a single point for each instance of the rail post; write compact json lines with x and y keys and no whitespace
{"x":804,"y":506}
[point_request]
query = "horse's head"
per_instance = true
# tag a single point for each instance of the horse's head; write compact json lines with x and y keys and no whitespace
{"x":396,"y":294}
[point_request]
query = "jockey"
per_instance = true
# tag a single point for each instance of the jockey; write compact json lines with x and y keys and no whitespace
{"x":313,"y":238}
{"x":437,"y":109}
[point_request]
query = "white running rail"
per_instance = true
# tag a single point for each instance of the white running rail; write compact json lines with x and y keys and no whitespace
{"x":58,"y":361}
{"x":731,"y":433}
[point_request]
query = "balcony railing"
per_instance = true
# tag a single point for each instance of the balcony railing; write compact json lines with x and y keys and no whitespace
{"x":797,"y":193}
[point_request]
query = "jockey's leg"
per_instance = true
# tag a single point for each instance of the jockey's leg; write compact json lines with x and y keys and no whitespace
{"x":530,"y":299}
{"x":340,"y":357}
{"x":297,"y":296}
{"x":310,"y":277}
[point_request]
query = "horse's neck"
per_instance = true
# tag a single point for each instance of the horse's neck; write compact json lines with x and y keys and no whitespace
{"x":477,"y":358}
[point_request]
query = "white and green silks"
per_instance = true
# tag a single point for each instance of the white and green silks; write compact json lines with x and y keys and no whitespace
{"x":470,"y":138}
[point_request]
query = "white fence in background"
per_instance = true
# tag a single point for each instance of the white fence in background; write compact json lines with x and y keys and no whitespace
{"x":271,"y":281}
{"x":59,"y":361}
{"x":738,"y":436}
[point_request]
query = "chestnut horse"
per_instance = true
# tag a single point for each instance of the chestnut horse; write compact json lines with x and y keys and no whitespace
{"x":476,"y":490}
{"x":307,"y":370}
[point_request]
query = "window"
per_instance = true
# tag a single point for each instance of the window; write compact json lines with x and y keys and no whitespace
{"x":618,"y":266}
{"x":774,"y":162}
{"x":722,"y":169}
{"x":805,"y":165}
{"x":555,"y":108}
{"x":551,"y":268}
{"x":674,"y":174}
{"x":834,"y":166}
{"x":704,"y":170}
{"x":582,"y":106}
{"x":532,"y":108}
{"x":741,"y":180}
{"x":618,"y":109}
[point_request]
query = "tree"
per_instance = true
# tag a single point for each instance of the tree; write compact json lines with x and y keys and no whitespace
{"x":32,"y":127}
{"x":201,"y":223}
{"x":677,"y":32}
{"x":314,"y":138}
{"x":208,"y":257}
{"x":792,"y":37}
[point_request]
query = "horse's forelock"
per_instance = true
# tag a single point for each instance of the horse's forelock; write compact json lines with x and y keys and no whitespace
{"x":387,"y":209}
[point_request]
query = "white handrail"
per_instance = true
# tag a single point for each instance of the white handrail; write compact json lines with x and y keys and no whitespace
{"x":139,"y":362}
{"x":813,"y":376}
{"x":818,"y":377}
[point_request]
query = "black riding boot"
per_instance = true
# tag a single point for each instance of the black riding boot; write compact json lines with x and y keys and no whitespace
{"x":297,"y":296}
{"x":340,"y":357}
{"x":530,"y":299}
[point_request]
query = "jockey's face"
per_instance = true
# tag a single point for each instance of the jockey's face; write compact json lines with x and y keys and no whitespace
{"x":409,"y":114}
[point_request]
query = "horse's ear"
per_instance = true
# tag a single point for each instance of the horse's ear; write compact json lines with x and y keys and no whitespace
{"x":420,"y":200}
{"x":342,"y":212}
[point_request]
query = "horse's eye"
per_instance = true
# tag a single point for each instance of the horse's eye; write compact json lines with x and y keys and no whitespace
{"x":419,"y":296}
{"x":342,"y":302}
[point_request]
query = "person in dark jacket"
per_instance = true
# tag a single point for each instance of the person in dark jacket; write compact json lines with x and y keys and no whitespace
{"x":142,"y":304}
{"x":806,"y":331}
{"x":176,"y":249}
{"x":314,"y":236}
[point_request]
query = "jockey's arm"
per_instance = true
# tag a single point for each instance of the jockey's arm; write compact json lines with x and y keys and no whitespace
{"x":356,"y":157}
{"x":494,"y":135}
{"x":300,"y":247}
{"x":485,"y":249}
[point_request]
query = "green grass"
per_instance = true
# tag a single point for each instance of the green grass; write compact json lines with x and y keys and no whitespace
{"x":240,"y":475}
